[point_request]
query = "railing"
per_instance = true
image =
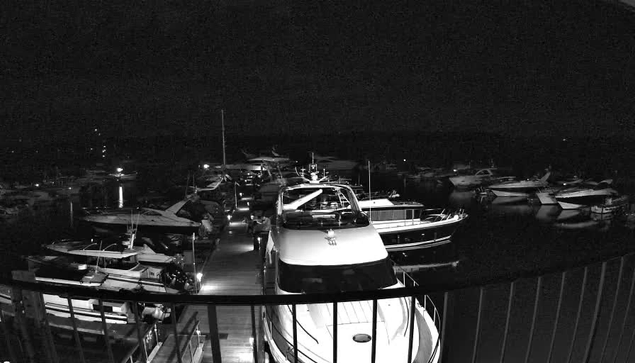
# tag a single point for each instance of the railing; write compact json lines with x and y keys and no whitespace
{"x":582,"y":314}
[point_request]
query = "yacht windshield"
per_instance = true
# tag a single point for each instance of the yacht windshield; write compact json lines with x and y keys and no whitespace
{"x":332,"y":279}
{"x":316,"y":208}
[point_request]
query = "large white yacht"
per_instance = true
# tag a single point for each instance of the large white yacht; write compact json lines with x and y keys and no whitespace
{"x":322,"y":243}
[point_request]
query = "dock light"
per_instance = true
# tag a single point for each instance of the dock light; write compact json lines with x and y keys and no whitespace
{"x":205,"y":166}
{"x":229,"y":217}
{"x":251,"y":340}
{"x":199,"y":276}
{"x":37,"y":185}
{"x":119,"y":170}
{"x":404,"y":159}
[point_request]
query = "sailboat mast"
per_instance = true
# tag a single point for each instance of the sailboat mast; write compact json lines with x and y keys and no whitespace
{"x":222,"y":120}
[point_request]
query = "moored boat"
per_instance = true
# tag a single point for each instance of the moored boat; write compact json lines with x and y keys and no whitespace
{"x":405,"y":225}
{"x":322,"y":243}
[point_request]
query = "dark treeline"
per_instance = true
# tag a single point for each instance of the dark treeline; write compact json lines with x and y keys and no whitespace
{"x":591,"y":157}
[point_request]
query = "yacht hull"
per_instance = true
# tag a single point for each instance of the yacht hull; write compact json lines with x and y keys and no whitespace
{"x":404,"y":238}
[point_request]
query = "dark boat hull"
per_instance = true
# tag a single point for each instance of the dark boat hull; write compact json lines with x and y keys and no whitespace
{"x":418,"y":238}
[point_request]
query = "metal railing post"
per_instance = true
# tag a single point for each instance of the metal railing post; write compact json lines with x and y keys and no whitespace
{"x":555,"y":323}
{"x":254,"y":344}
{"x":596,"y":314}
{"x":411,"y":333}
{"x":628,"y":308}
{"x":176,"y":334}
{"x":111,"y":357}
{"x":446,"y":297}
{"x":478,"y":323}
{"x":577,"y":317}
{"x":214,"y":336}
{"x":335,"y":332}
{"x":617,"y":294}
{"x":142,"y":343}
{"x":295,"y":332}
{"x":510,"y":299}
{"x":533,"y":319}
{"x":373,"y":347}
{"x":78,"y":342}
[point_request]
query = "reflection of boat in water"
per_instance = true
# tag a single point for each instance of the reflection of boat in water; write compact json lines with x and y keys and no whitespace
{"x":325,"y":244}
{"x":461,"y":199}
{"x":583,"y":224}
{"x":547,"y":213}
{"x":512,"y":209}
{"x":509,"y":200}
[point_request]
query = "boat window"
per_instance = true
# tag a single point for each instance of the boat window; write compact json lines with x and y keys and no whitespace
{"x":409,"y":214}
{"x":336,"y":219}
{"x":332,"y":279}
{"x":417,"y":213}
{"x":151,"y":213}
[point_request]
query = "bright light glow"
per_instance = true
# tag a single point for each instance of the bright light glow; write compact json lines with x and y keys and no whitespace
{"x":245,"y":357}
{"x":37,"y":185}
{"x":404,"y":159}
{"x":229,"y":217}
{"x":331,"y":233}
{"x":120,"y":196}
{"x":251,"y":340}
{"x":119,"y":170}
{"x":199,"y":276}
{"x":95,"y":130}
{"x":205,"y":166}
{"x":207,"y":288}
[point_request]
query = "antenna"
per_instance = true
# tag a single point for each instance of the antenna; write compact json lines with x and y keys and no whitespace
{"x":222,"y":121}
{"x":370,"y":195}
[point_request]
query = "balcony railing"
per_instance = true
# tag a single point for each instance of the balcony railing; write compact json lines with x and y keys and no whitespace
{"x":584,"y":314}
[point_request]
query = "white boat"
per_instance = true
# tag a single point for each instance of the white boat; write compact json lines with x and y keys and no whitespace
{"x":480,"y":177}
{"x":323,"y":243}
{"x":519,"y":188}
{"x":580,"y":197}
{"x":124,"y":249}
{"x":409,"y":225}
{"x":56,"y":270}
{"x":611,"y":205}
{"x":333,"y":164}
{"x":179,"y":218}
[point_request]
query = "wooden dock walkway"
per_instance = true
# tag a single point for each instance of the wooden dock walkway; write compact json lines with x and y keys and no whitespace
{"x":233,"y":268}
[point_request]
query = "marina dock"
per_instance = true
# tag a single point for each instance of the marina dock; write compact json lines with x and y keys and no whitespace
{"x":233,"y":268}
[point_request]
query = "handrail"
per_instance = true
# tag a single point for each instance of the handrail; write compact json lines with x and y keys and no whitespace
{"x":248,"y":300}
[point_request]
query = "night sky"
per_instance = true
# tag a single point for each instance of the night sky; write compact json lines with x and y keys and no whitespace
{"x":168,"y":67}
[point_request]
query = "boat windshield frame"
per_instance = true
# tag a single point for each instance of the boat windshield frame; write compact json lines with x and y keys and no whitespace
{"x":308,"y":279}
{"x":319,"y":207}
